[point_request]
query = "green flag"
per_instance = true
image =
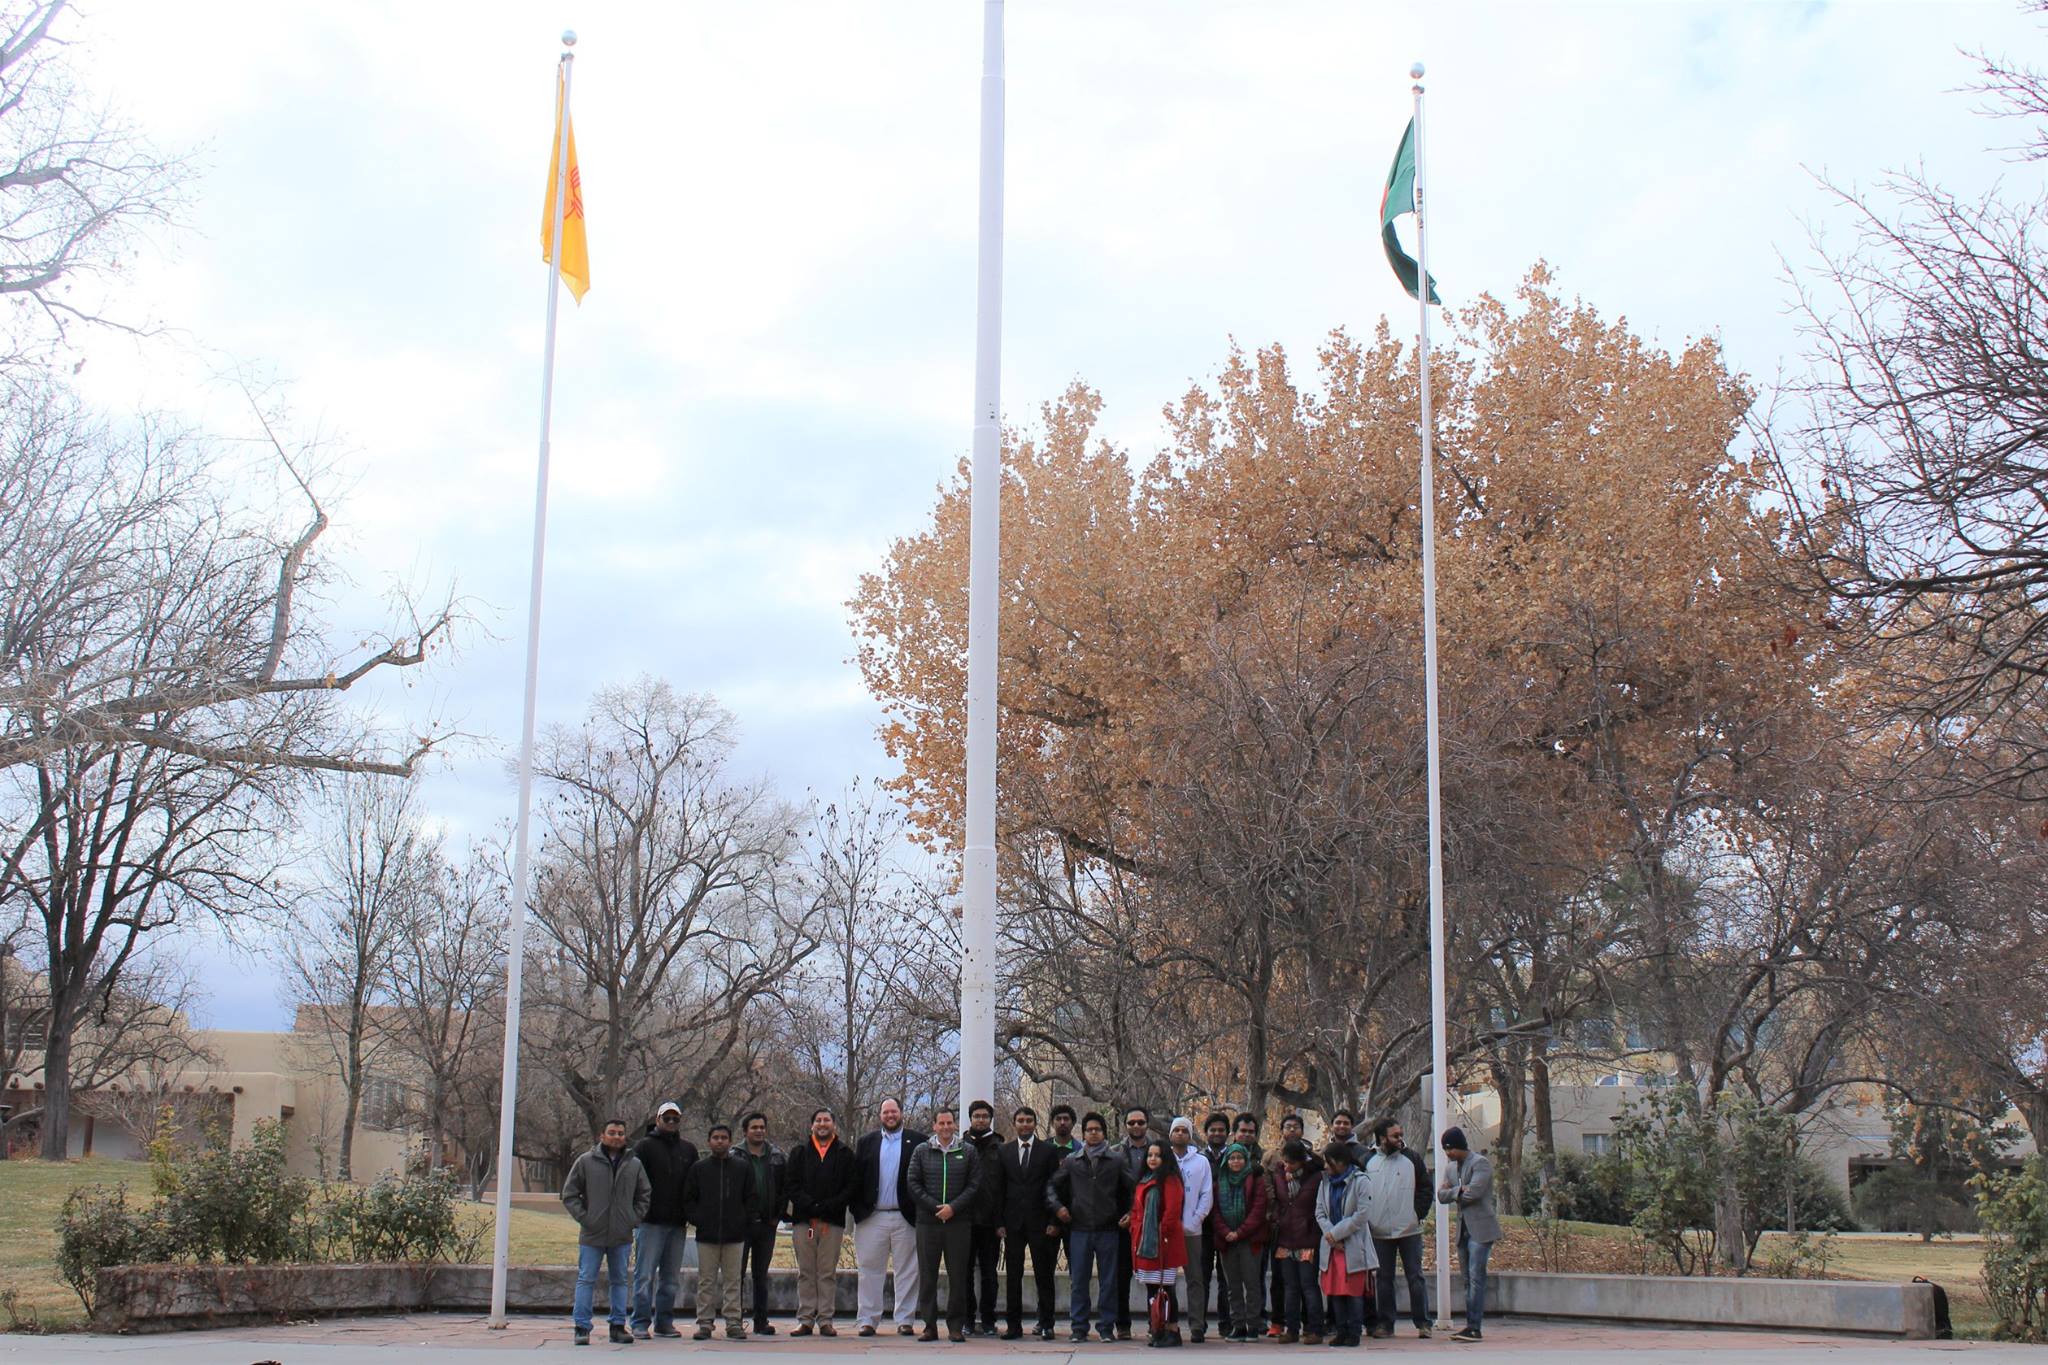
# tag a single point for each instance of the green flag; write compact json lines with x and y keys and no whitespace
{"x":1398,"y":199}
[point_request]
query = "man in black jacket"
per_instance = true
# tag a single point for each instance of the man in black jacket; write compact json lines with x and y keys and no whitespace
{"x":719,"y":1194}
{"x":985,"y":1249}
{"x":667,"y":1157}
{"x":1216,"y":1137}
{"x":945,"y":1176}
{"x":883,"y":1233}
{"x":1090,"y":1196}
{"x":771,"y":1204}
{"x":821,"y":1179}
{"x":1024,"y":1167}
{"x":1137,"y":1137}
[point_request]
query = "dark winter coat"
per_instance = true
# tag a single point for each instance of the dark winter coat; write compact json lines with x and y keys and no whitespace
{"x":719,"y":1193}
{"x":608,"y":1202}
{"x":1293,"y":1217}
{"x":819,"y":1187}
{"x":988,"y":1200}
{"x":771,"y":1183}
{"x":667,"y":1158}
{"x":1254,"y":1227}
{"x":1094,"y":1190}
{"x":944,"y":1176}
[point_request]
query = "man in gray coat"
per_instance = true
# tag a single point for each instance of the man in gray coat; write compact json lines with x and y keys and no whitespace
{"x":1468,"y":1186}
{"x":607,"y":1193}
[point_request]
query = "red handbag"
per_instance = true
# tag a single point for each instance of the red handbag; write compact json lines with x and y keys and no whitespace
{"x":1158,"y":1311}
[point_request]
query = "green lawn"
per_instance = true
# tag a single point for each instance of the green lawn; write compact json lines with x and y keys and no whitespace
{"x":32,"y":1192}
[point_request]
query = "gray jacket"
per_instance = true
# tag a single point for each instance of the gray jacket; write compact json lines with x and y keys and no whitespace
{"x":607,"y":1204}
{"x":1469,"y":1185}
{"x":1348,"y":1222}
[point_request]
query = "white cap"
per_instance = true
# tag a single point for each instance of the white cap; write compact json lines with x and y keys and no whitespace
{"x":668,"y":1107}
{"x":1180,"y":1123}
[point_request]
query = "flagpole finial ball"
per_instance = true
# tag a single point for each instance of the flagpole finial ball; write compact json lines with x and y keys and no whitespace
{"x":1415,"y":71}
{"x":568,"y":37}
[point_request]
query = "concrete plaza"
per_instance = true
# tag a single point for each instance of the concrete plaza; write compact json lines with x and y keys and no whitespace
{"x":463,"y":1339}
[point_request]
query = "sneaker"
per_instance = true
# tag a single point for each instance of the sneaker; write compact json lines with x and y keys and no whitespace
{"x":702,"y":1333}
{"x":867,"y":1329}
{"x":1198,"y":1336}
{"x":668,"y":1331}
{"x":1045,"y":1333}
{"x":1078,"y":1335}
{"x":734,"y":1332}
{"x":582,"y":1336}
{"x":1123,"y":1331}
{"x":1422,"y":1330}
{"x":1013,"y":1333}
{"x":621,"y":1334}
{"x":1276,"y":1331}
{"x":1466,"y":1334}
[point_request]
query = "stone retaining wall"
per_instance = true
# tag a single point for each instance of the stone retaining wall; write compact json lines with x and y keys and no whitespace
{"x":157,"y":1298}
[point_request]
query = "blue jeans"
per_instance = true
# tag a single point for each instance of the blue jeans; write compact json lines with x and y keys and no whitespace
{"x":1472,"y":1258}
{"x":587,"y":1259}
{"x":657,"y":1273}
{"x":1303,"y":1296}
{"x":1094,"y":1250}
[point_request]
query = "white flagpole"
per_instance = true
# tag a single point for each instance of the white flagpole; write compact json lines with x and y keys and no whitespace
{"x":515,"y":949}
{"x":1439,"y":1097}
{"x":978,"y":919}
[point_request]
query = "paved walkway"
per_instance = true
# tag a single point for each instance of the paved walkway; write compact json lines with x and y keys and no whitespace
{"x":461,"y":1339}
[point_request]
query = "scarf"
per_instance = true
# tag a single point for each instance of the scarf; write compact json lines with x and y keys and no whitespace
{"x":1095,"y":1148}
{"x":1232,"y":1204}
{"x":1155,"y":1201}
{"x":822,"y":1147}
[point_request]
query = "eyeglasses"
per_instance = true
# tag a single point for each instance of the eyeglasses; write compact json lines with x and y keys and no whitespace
{"x":671,"y":1118}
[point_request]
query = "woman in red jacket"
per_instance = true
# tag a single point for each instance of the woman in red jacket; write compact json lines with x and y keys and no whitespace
{"x":1159,"y":1249}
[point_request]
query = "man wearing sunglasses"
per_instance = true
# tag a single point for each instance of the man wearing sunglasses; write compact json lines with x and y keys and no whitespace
{"x":667,"y":1157}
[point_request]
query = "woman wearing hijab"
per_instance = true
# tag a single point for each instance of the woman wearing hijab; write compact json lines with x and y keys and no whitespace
{"x":1159,"y":1249}
{"x":1237,"y":1228}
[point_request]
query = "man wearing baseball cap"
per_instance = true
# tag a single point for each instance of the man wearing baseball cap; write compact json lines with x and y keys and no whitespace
{"x":667,"y":1157}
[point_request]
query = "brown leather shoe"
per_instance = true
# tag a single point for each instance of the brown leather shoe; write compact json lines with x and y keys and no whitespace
{"x":1311,"y":1338}
{"x":1289,"y":1338}
{"x":867,"y":1329}
{"x":826,"y":1329}
{"x":930,"y":1333}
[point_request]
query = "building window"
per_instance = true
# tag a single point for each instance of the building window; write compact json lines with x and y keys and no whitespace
{"x":383,"y":1108}
{"x":28,"y":1029}
{"x":1610,"y":1079}
{"x":1596,"y":1144}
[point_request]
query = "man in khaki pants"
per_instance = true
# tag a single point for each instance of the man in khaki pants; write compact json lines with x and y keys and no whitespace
{"x":820,"y":1185}
{"x":719,"y":1195}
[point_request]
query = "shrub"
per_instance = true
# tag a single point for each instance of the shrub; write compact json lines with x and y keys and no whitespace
{"x":97,"y":1227}
{"x":1901,"y":1199}
{"x":1584,"y":1189}
{"x":413,"y":1217}
{"x":237,"y":1205}
{"x":2013,"y":1210}
{"x":1818,"y":1204}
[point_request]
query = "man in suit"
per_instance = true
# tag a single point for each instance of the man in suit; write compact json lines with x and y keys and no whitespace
{"x":883,"y":1234}
{"x":1468,"y":1187}
{"x":1027,"y":1163}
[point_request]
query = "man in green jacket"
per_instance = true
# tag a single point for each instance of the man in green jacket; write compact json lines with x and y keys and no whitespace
{"x":607,"y":1193}
{"x":945,"y":1176}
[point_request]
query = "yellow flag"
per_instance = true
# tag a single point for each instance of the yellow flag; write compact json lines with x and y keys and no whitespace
{"x":575,"y":247}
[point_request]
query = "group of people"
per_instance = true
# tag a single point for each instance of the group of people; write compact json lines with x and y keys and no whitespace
{"x":1300,"y":1245}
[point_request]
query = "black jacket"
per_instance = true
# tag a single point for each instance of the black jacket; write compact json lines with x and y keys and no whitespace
{"x":1022,"y":1184}
{"x":1095,"y":1191}
{"x":988,"y":1200}
{"x":948,"y":1176}
{"x":867,"y":1160}
{"x":818,"y":1188}
{"x":771,"y":1196}
{"x":719,"y":1193}
{"x":667,"y":1159}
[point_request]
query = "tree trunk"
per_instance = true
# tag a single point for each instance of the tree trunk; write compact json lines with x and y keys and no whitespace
{"x":352,"y":1102}
{"x":55,"y":1124}
{"x":1731,"y":1242}
{"x":1507,"y":1083}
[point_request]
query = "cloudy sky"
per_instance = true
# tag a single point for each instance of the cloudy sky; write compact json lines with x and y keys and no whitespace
{"x":773,"y":369}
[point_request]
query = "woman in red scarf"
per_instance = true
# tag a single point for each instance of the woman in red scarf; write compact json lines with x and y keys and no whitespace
{"x":1159,"y":1249}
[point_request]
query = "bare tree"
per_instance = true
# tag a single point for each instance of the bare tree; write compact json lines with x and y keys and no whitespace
{"x":371,"y":888}
{"x":667,"y":897}
{"x":77,"y":187}
{"x":445,"y":982}
{"x":861,"y":1009}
